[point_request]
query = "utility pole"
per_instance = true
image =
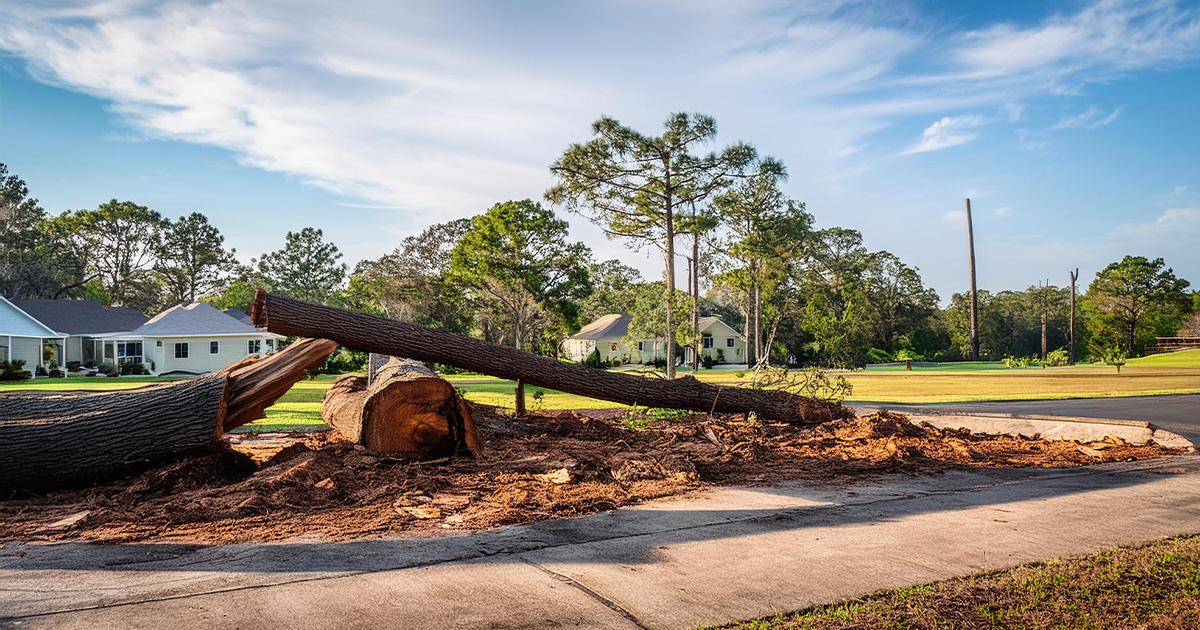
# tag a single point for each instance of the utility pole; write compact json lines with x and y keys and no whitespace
{"x":1071,"y":323}
{"x":974,"y":314}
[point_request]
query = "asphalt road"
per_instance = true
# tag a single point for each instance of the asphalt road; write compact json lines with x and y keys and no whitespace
{"x":1176,"y":413}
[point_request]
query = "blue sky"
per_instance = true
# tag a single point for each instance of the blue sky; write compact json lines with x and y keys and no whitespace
{"x":1071,"y":125}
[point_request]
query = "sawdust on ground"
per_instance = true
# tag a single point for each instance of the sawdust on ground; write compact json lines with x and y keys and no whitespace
{"x":549,"y":465}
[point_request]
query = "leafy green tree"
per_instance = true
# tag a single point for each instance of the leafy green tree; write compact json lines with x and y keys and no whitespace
{"x":191,"y":258}
{"x":517,"y":261}
{"x":633,"y":185}
{"x":33,"y":263}
{"x":648,"y":319}
{"x":897,"y":303}
{"x":767,"y":241}
{"x":1133,"y":300}
{"x":612,"y":282}
{"x":306,"y":268}
{"x":118,"y":240}
{"x":410,"y":283}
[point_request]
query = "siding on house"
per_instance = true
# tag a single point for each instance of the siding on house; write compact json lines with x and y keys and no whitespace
{"x":161,"y":351}
{"x":28,"y":350}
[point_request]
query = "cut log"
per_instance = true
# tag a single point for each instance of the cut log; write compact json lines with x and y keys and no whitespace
{"x":74,"y":437}
{"x":386,"y":336}
{"x":406,"y":408}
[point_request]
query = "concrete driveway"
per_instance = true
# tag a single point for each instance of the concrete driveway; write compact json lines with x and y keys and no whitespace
{"x":1176,"y":413}
{"x":727,"y":554}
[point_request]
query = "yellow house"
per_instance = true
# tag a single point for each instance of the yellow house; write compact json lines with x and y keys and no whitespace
{"x":720,"y":341}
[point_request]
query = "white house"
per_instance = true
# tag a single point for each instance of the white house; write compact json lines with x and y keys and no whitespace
{"x":188,"y":339}
{"x":185,"y":339}
{"x":608,"y":334}
{"x":22,"y":337}
{"x":77,"y":324}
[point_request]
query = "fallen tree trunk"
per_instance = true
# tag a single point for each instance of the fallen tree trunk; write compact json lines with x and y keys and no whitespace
{"x":72,"y":437}
{"x":405,"y":408}
{"x":386,"y":336}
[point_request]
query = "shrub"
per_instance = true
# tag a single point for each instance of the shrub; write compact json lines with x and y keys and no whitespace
{"x":132,"y":368}
{"x":1016,"y":362}
{"x":72,"y":366}
{"x":720,"y":355}
{"x":876,"y":355}
{"x":107,"y":369}
{"x":1056,"y":358}
{"x":89,"y":364}
{"x":40,"y":371}
{"x":706,"y":361}
{"x":594,"y":360}
{"x":659,"y":362}
{"x":740,"y":374}
{"x":56,"y":373}
{"x":904,"y":354}
{"x":13,"y":370}
{"x":343,"y":361}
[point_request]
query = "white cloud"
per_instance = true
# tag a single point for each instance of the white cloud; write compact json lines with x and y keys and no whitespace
{"x":1002,"y":211}
{"x":1091,"y":118}
{"x":950,"y":131}
{"x":1013,"y":111}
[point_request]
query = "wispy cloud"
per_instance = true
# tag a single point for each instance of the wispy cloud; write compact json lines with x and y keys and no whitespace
{"x":950,"y":131}
{"x":1091,"y":118}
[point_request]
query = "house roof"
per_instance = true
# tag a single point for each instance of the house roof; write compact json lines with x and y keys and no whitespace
{"x":240,"y":315}
{"x":77,"y":317}
{"x":197,"y":318}
{"x":614,"y":326}
{"x":709,"y":322}
{"x":14,"y":321}
{"x":611,"y":326}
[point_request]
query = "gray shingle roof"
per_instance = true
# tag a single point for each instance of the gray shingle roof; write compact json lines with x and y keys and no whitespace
{"x":193,"y":319}
{"x":611,"y":326}
{"x":240,"y":315}
{"x":76,"y":317}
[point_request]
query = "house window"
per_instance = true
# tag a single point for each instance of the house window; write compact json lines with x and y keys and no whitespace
{"x":729,"y":342}
{"x":270,"y":344}
{"x":214,"y":347}
{"x":129,"y":352}
{"x":254,"y":346}
{"x":641,"y":346}
{"x":181,"y":350}
{"x":708,"y":342}
{"x":613,"y":346}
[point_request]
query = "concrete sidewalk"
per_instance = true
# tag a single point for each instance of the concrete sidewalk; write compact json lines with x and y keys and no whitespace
{"x":727,"y":554}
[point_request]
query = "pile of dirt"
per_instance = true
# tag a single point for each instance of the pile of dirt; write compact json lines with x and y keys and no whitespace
{"x":551,"y":465}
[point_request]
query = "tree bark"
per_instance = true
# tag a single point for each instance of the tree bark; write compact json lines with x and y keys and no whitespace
{"x":669,"y":342}
{"x":974,"y":297}
{"x":377,"y":334}
{"x":406,"y":408}
{"x":71,"y":437}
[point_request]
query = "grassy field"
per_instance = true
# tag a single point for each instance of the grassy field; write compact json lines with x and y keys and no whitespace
{"x":1155,"y":586}
{"x":1175,"y":373}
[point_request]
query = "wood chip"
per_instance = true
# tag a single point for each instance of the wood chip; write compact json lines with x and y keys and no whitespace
{"x":559,"y":476}
{"x":66,"y":522}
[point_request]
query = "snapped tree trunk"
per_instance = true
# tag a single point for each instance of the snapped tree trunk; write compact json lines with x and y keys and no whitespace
{"x":72,"y":437}
{"x":406,"y":408}
{"x":381,"y":335}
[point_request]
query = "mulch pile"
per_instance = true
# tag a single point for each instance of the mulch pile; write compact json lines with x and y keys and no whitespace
{"x":550,"y":465}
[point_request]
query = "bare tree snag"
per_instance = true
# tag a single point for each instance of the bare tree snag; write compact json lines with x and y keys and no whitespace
{"x":973,"y":312}
{"x":406,"y":408}
{"x":76,"y":437}
{"x":385,"y":336}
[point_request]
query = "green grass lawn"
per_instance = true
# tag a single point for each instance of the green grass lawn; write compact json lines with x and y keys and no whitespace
{"x":1183,"y":358}
{"x":1154,"y":586}
{"x":1175,"y":373}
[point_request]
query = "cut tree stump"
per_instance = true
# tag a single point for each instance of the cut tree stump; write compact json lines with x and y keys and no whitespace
{"x":386,"y":336}
{"x":76,"y":437}
{"x":405,"y":408}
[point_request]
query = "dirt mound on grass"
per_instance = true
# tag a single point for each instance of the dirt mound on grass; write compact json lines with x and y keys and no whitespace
{"x":552,"y":465}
